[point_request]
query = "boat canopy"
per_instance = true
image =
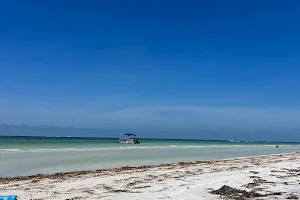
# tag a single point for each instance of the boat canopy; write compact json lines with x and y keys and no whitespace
{"x":130,"y":134}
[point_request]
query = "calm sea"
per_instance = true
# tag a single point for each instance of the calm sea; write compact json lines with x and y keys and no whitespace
{"x":32,"y":155}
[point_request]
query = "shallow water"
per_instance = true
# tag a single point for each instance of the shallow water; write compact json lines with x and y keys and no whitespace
{"x":32,"y":155}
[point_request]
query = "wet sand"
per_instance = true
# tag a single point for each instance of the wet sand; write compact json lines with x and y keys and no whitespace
{"x":260,"y":177}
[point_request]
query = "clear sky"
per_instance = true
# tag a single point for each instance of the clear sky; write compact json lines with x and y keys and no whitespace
{"x":187,"y":69}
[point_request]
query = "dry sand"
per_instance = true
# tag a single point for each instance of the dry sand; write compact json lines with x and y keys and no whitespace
{"x":261,"y":177}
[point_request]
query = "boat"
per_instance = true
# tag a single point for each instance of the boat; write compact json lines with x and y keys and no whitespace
{"x":128,"y":139}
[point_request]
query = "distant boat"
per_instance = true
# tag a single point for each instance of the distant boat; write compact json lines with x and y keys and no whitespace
{"x":128,"y":139}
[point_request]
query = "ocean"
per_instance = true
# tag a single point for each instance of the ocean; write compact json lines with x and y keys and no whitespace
{"x":20,"y":156}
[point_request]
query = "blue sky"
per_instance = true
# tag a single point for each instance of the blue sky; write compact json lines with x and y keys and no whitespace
{"x":182,"y":68}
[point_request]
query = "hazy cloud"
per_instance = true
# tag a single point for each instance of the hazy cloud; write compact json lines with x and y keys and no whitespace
{"x":157,"y":117}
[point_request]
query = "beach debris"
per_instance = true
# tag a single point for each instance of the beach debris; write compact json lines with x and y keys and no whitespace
{"x":260,"y":181}
{"x":254,"y":172}
{"x":254,"y":177}
{"x":113,"y":190}
{"x":236,"y":194}
{"x":257,"y":182}
{"x":74,"y":198}
{"x":292,"y":197}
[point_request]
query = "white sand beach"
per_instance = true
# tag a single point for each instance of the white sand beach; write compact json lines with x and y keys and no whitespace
{"x":261,"y":177}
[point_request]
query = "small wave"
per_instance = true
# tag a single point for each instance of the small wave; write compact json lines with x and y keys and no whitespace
{"x":10,"y":149}
{"x":141,"y":147}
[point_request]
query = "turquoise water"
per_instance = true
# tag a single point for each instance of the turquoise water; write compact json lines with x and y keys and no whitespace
{"x":23,"y":143}
{"x":32,"y":155}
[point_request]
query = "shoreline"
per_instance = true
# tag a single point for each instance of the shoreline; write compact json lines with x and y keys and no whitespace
{"x":73,"y":174}
{"x":275,"y":176}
